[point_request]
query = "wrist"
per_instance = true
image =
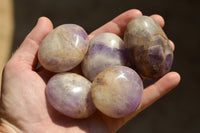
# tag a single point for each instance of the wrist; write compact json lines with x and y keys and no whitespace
{"x":6,"y":127}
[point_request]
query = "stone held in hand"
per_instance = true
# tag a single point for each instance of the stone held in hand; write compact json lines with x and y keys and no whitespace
{"x":70,"y":94}
{"x":149,"y":50}
{"x":63,"y":48}
{"x":105,"y":50}
{"x":117,"y":91}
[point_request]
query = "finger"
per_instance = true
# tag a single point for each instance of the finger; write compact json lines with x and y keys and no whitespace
{"x":26,"y":54}
{"x":172,"y":45}
{"x":118,"y":24}
{"x":159,"y":89}
{"x":159,"y":19}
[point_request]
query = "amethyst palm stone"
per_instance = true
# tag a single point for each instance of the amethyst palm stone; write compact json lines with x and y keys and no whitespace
{"x":117,"y":91}
{"x":149,"y":50}
{"x":63,"y":48}
{"x":105,"y":50}
{"x":70,"y":94}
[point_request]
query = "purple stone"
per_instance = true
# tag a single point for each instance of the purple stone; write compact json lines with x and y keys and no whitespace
{"x":105,"y":50}
{"x":148,"y":48}
{"x":70,"y":94}
{"x":117,"y":91}
{"x":64,"y":48}
{"x":100,"y":48}
{"x":156,"y":55}
{"x":168,"y":62}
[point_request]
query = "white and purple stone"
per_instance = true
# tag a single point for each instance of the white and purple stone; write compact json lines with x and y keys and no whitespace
{"x":105,"y":50}
{"x":63,"y":48}
{"x":70,"y":94}
{"x":149,"y":50}
{"x":117,"y":91}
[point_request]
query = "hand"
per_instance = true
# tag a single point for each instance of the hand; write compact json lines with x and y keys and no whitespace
{"x":23,"y":103}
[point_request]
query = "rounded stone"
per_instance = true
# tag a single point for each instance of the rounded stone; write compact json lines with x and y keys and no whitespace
{"x":105,"y":50}
{"x":63,"y":48}
{"x":70,"y":94}
{"x":117,"y":91}
{"x":149,"y":50}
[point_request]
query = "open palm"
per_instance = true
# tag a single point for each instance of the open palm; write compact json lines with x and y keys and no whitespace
{"x":23,"y":105}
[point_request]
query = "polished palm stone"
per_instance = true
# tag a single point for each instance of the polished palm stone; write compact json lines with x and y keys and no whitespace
{"x":105,"y":50}
{"x":149,"y":50}
{"x":70,"y":94}
{"x":63,"y":48}
{"x":117,"y":91}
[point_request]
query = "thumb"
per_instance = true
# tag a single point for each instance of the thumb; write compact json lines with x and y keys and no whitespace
{"x":26,"y":54}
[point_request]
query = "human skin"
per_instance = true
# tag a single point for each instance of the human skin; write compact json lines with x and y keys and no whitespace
{"x":23,"y":104}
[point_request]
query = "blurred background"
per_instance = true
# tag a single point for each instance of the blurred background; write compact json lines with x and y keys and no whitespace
{"x":176,"y":112}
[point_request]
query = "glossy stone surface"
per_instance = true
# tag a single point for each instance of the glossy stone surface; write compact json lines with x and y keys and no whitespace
{"x":149,"y":50}
{"x":70,"y":94}
{"x":63,"y":48}
{"x":105,"y":50}
{"x":117,"y":91}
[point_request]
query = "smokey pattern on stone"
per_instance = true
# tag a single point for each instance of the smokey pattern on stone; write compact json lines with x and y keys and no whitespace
{"x":117,"y":91}
{"x":105,"y":50}
{"x":149,"y":50}
{"x":63,"y":48}
{"x":70,"y":94}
